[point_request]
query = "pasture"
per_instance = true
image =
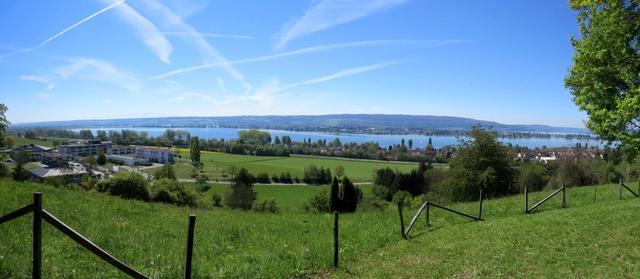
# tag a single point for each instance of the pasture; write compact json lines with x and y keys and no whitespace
{"x":217,"y":165}
{"x":587,"y":239}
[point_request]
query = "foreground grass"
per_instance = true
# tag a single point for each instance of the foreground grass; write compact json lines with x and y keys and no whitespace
{"x":152,"y":237}
{"x":217,"y":164}
{"x":585,"y":240}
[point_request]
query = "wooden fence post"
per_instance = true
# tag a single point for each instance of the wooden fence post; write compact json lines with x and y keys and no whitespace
{"x":401,"y":220}
{"x":526,"y":201}
{"x":480,"y":210}
{"x":620,"y":184}
{"x":564,"y":196}
{"x":189,"y":251}
{"x":37,"y":236}
{"x":336,"y":243}
{"x":427,"y":213}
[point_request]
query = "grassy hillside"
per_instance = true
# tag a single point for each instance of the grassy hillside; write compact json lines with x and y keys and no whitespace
{"x":216,"y":163}
{"x":151,"y":237}
{"x":587,"y":239}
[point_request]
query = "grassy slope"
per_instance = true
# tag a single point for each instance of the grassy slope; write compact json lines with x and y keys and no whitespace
{"x":151,"y":237}
{"x":586,"y":240}
{"x":215,"y":163}
{"x":590,"y":240}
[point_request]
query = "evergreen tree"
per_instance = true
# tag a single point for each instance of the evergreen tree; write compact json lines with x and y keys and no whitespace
{"x":350,"y":196}
{"x":195,"y":151}
{"x":277,"y":141}
{"x":241,"y":194}
{"x":410,"y":143}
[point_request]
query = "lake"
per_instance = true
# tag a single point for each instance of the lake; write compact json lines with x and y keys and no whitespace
{"x":383,"y":140}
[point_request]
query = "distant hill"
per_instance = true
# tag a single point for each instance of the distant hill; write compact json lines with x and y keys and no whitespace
{"x":364,"y":123}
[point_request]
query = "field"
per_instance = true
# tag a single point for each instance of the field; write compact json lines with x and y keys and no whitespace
{"x":585,"y":240}
{"x":216,"y":165}
{"x":26,"y":141}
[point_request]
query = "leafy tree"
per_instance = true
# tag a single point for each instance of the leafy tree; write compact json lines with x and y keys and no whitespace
{"x":241,"y":194}
{"x":3,"y":124}
{"x":606,"y":65}
{"x":195,"y":151}
{"x":4,"y":171}
{"x":86,"y":134}
{"x":102,"y":158}
{"x":165,"y":171}
{"x":480,"y":163}
{"x":202,"y":180}
{"x":254,"y":137}
{"x":9,"y":141}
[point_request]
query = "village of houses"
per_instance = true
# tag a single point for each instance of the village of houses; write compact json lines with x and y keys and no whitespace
{"x":66,"y":161}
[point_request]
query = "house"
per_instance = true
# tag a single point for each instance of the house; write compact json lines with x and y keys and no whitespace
{"x":128,"y":160}
{"x":55,"y":159}
{"x":121,"y":150}
{"x":68,"y":174}
{"x":155,"y":154}
{"x":34,"y":152}
{"x":85,"y":148}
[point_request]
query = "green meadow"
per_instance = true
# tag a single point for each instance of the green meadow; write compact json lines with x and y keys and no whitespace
{"x":588,"y":239}
{"x":217,"y":164}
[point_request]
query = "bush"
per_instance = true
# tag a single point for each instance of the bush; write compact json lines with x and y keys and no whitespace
{"x":533,"y":176}
{"x":319,"y":202}
{"x":171,"y":192}
{"x":217,"y":200}
{"x":403,"y":197}
{"x":4,"y":170}
{"x":126,"y":185}
{"x":263,"y":178}
{"x":266,"y":205}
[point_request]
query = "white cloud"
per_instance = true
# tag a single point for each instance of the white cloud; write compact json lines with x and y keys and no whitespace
{"x":45,"y":42}
{"x":329,"y":13}
{"x":148,"y":32}
{"x":98,"y":70}
{"x":267,"y":93}
{"x":208,"y":53}
{"x":211,"y":35}
{"x":308,"y":50}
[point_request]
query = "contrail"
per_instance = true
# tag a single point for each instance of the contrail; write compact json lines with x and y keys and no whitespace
{"x":65,"y":30}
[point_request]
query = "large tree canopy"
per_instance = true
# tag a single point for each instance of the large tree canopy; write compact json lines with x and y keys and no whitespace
{"x":605,"y":76}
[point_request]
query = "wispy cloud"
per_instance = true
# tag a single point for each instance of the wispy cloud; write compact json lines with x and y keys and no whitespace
{"x":211,"y":35}
{"x":208,"y":53}
{"x":329,"y":13}
{"x":314,"y":49}
{"x":47,"y":41}
{"x":148,"y":32}
{"x":273,"y":88}
{"x":98,"y":70}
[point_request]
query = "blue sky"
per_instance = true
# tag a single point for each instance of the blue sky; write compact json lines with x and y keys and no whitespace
{"x":495,"y":60}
